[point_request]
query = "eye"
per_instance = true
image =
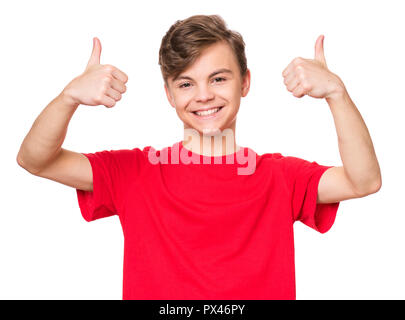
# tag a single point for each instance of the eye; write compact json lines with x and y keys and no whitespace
{"x":220,"y":78}
{"x":183,"y":85}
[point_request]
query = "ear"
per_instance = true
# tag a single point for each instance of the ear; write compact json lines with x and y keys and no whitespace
{"x":246,"y":83}
{"x":169,"y":96}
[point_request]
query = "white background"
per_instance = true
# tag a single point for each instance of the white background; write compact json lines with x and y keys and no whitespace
{"x":48,"y":251}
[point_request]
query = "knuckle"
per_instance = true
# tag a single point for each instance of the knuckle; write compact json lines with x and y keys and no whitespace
{"x":297,"y":61}
{"x":99,"y":99}
{"x":299,"y":68}
{"x":108,"y":78}
{"x":306,"y":86}
{"x":105,"y":88}
{"x":301,"y":74}
{"x":109,"y":68}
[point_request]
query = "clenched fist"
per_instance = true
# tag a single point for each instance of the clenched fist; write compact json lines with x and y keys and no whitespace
{"x":99,"y":84}
{"x":312,"y":77}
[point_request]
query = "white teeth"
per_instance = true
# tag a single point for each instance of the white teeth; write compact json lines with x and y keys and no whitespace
{"x":207,"y":112}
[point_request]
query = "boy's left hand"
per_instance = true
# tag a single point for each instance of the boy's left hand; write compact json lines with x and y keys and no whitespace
{"x":312,"y":77}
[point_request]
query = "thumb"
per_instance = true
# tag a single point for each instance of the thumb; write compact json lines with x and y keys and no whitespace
{"x":95,"y":55}
{"x":319,"y":53}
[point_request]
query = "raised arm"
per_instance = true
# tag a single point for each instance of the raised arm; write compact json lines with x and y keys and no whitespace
{"x":41,"y":151}
{"x":360,"y":174}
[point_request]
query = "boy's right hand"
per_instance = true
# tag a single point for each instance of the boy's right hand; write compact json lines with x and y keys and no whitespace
{"x":98,"y":84}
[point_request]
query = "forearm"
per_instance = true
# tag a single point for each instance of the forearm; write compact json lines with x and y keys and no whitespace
{"x":45,"y":138}
{"x":355,"y":145}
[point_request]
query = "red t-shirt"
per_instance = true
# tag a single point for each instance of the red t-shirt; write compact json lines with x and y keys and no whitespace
{"x":203,"y":231}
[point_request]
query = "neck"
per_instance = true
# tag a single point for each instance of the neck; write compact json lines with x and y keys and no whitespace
{"x":212,"y":144}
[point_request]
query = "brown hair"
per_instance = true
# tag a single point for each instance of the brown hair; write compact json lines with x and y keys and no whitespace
{"x":186,"y":39}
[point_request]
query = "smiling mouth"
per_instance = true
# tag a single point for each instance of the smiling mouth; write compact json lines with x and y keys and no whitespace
{"x":208,"y":113}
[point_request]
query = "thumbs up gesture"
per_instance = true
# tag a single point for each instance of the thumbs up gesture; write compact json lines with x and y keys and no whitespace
{"x":312,"y":77}
{"x":98,"y":84}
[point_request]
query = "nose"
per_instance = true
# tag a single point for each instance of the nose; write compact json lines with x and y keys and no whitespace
{"x":204,"y":93}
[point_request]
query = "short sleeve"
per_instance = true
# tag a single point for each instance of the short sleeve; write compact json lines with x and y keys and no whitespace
{"x":303,"y":177}
{"x":113,"y":172}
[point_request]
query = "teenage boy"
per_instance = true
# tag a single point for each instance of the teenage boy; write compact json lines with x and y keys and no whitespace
{"x":205,"y":218}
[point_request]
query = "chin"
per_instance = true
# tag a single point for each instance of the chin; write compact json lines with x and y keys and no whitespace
{"x":210,"y":131}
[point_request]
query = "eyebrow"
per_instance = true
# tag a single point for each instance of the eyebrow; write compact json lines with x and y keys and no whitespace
{"x":222,"y":70}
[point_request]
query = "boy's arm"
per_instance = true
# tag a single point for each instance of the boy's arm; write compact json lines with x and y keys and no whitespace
{"x":41,"y":153}
{"x":44,"y":140}
{"x":360,"y":174}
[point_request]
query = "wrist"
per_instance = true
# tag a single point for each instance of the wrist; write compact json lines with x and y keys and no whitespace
{"x":338,"y":93}
{"x":67,"y":99}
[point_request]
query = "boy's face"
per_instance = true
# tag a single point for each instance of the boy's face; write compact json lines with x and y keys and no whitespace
{"x":200,"y":87}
